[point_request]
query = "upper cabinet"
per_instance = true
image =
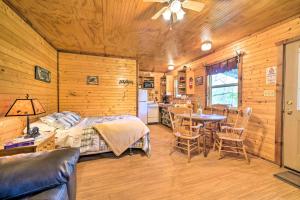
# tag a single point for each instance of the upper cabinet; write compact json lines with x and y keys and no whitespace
{"x":181,"y":82}
{"x":185,"y":82}
{"x":190,"y":82}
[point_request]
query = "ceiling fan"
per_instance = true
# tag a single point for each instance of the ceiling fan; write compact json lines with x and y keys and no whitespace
{"x":173,"y":11}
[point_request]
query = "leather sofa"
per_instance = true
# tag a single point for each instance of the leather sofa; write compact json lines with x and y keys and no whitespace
{"x":43,"y":175}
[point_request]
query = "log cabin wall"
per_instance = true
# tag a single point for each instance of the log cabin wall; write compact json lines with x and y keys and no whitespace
{"x":21,"y":48}
{"x":260,"y":52}
{"x":107,"y":98}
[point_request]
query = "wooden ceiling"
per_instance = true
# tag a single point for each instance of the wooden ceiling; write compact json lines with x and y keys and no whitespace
{"x":124,"y":28}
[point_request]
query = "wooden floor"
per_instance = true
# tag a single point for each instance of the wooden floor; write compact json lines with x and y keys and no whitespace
{"x":170,"y":177}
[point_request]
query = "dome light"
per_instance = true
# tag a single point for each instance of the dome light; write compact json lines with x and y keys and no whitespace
{"x":180,"y":14}
{"x":175,"y":6}
{"x":167,"y":15}
{"x":206,"y":46}
{"x":170,"y":67}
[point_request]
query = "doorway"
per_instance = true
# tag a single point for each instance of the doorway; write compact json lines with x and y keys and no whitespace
{"x":291,"y":115}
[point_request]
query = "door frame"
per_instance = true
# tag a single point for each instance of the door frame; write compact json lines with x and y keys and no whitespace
{"x":281,"y":67}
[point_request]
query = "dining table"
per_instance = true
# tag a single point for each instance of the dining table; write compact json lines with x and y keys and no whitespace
{"x":203,"y":119}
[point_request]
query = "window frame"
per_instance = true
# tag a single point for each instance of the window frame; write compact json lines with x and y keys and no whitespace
{"x":210,"y":88}
{"x":240,"y":85}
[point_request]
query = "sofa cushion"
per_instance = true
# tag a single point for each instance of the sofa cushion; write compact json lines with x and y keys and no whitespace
{"x":57,"y":193}
{"x":23,"y":174}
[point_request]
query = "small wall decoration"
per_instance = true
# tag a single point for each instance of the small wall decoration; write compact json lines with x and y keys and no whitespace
{"x":42,"y":74}
{"x":271,"y":75}
{"x":92,"y":80}
{"x":125,"y":82}
{"x":199,"y":80}
{"x":191,"y":82}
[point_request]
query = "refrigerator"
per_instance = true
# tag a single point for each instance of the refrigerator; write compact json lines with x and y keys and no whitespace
{"x":142,"y":107}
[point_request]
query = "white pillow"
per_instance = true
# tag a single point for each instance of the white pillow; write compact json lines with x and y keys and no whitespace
{"x":72,"y":114}
{"x":49,"y":120}
{"x":43,"y":128}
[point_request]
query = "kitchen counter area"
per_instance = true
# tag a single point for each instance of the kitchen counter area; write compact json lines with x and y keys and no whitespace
{"x":164,"y":116}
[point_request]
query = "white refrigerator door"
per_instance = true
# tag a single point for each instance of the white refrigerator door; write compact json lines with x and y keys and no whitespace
{"x":143,"y":112}
{"x":143,"y":95}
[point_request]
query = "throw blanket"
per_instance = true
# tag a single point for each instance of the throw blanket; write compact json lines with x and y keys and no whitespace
{"x":121,"y":134}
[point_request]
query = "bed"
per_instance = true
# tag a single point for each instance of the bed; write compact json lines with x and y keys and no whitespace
{"x":90,"y":140}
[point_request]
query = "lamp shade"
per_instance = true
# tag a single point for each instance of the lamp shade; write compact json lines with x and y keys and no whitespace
{"x":25,"y":107}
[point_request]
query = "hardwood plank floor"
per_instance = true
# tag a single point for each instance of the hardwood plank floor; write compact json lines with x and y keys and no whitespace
{"x":170,"y":177}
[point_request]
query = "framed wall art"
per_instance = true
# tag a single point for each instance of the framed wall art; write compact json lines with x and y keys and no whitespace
{"x":92,"y":80}
{"x":42,"y":74}
{"x":199,"y":80}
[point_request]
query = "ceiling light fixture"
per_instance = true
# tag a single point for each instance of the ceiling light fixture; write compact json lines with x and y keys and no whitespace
{"x":180,"y":14}
{"x":206,"y":46}
{"x":170,"y":67}
{"x":167,"y":14}
{"x":175,"y":6}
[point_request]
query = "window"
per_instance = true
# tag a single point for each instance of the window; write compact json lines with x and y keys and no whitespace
{"x":223,"y":88}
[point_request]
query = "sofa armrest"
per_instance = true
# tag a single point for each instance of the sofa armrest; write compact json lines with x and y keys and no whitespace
{"x":23,"y":174}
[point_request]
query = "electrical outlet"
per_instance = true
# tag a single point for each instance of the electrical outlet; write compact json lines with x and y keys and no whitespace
{"x":269,"y":93}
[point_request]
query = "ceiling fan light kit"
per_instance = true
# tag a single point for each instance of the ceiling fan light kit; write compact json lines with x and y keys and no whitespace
{"x":206,"y":46}
{"x":167,"y":14}
{"x":180,"y":14}
{"x":175,"y":8}
{"x":171,"y":67}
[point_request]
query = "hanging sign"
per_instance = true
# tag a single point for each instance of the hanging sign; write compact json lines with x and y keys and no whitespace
{"x":271,"y":75}
{"x":125,"y":82}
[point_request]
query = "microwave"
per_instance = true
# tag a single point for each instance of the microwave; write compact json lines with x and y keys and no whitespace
{"x":148,"y":84}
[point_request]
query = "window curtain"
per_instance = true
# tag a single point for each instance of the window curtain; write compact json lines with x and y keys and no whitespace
{"x":223,"y":66}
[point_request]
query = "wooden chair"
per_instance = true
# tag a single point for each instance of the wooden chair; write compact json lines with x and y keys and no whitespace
{"x":186,"y":136}
{"x":232,"y":120}
{"x":213,"y":127}
{"x":231,"y":139}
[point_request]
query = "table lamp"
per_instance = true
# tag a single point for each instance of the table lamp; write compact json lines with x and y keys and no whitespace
{"x":25,"y":107}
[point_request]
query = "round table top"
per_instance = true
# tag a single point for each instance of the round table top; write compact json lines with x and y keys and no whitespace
{"x":204,"y":117}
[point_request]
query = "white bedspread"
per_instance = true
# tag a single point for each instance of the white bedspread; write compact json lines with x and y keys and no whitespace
{"x":72,"y":136}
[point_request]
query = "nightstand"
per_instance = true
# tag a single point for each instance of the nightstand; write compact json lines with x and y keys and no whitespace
{"x":45,"y":142}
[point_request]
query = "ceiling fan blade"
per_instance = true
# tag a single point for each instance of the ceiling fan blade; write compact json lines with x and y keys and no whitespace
{"x":159,"y":13}
{"x":158,"y":1}
{"x":193,"y":5}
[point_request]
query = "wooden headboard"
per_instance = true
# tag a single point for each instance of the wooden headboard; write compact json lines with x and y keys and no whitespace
{"x":10,"y":127}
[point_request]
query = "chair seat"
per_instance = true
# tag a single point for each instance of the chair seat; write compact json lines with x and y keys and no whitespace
{"x":230,"y":136}
{"x":187,"y":137}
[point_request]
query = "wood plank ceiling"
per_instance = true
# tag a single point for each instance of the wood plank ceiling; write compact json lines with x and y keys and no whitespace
{"x":124,"y":28}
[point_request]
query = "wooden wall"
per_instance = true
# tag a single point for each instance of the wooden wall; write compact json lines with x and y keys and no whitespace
{"x":260,"y":53}
{"x":107,"y":98}
{"x":21,"y":48}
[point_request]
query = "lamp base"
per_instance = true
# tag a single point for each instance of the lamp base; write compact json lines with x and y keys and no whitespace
{"x":33,"y":133}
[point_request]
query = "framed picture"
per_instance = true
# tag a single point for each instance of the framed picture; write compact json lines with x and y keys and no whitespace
{"x":199,"y":80}
{"x":92,"y":80}
{"x":42,"y":74}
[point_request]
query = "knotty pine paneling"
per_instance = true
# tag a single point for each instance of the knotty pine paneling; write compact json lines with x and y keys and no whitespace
{"x":107,"y":98}
{"x":21,"y":48}
{"x":260,"y":53}
{"x":124,"y":28}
